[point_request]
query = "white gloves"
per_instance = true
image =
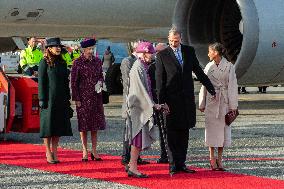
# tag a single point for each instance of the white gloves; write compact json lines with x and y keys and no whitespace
{"x":99,"y":87}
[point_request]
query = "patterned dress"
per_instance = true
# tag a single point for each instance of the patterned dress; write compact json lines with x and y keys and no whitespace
{"x":84,"y":76}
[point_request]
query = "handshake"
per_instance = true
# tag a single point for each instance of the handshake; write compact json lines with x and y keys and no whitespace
{"x":99,"y":87}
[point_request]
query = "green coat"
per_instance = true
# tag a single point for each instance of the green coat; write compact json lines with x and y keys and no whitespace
{"x":53,"y":88}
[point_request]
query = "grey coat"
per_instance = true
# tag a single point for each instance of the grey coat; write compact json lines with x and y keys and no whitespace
{"x":140,"y":107}
{"x":125,"y":67}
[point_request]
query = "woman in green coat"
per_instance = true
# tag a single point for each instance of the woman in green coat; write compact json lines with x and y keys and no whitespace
{"x":54,"y":96}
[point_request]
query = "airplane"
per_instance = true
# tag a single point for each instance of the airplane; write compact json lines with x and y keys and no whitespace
{"x":251,"y":30}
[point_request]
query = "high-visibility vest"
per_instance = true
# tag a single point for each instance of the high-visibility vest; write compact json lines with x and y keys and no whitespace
{"x":66,"y":56}
{"x":75,"y":54}
{"x":30,"y":57}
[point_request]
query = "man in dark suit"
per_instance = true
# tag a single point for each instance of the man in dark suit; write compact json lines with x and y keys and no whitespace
{"x":175,"y":89}
{"x":163,"y":157}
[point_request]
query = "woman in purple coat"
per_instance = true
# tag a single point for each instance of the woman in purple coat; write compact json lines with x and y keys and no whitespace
{"x":86,"y":81}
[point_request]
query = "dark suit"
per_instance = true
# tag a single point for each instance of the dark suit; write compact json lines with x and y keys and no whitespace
{"x":175,"y":87}
{"x":151,"y":72}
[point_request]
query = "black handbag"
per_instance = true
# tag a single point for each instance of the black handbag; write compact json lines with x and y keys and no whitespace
{"x":230,"y":117}
{"x":105,"y":95}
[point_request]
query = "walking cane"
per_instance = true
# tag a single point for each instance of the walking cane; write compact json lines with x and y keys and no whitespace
{"x":162,"y":118}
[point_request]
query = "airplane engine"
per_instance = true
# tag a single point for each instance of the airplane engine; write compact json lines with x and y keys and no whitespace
{"x":251,"y":30}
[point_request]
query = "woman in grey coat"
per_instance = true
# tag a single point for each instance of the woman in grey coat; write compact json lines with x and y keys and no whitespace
{"x":140,"y":126}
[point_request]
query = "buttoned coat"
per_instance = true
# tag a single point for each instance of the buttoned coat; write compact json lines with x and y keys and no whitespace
{"x":175,"y":86}
{"x":53,"y":89}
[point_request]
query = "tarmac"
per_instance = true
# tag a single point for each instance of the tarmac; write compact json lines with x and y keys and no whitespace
{"x":257,"y":149}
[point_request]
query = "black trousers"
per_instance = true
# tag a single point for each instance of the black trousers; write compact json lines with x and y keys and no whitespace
{"x":178,"y":144}
{"x":126,"y":148}
{"x":162,"y":129}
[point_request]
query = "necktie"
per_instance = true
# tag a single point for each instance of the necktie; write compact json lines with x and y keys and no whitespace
{"x":178,"y":56}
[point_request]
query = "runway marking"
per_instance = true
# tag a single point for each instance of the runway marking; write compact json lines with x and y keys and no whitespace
{"x":110,"y":169}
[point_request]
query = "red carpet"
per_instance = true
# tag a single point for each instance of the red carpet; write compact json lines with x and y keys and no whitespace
{"x":110,"y":169}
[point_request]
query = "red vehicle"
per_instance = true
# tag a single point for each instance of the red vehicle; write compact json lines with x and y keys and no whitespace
{"x":20,"y":103}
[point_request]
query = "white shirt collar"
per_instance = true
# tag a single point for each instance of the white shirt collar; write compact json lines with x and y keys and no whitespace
{"x":178,"y":48}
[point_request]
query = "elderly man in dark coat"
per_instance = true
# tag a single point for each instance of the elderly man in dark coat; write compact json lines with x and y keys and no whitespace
{"x":175,"y":89}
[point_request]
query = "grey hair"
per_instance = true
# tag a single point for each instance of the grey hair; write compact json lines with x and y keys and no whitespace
{"x":218,"y":47}
{"x":174,"y":31}
{"x":161,"y":46}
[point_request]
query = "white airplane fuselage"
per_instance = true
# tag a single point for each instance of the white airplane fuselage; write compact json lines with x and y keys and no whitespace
{"x":252,"y":31}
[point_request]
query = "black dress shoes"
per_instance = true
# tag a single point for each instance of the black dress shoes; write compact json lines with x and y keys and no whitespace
{"x":142,"y":162}
{"x":141,"y":175}
{"x":186,"y":170}
{"x":163,"y":160}
{"x":173,"y":170}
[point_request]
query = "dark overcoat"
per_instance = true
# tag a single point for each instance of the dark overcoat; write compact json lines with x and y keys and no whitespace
{"x":175,"y":86}
{"x":53,"y":89}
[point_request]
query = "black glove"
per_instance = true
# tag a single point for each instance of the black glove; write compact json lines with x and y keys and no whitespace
{"x":43,"y":104}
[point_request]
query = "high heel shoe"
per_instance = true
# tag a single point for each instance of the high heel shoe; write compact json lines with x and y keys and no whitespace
{"x":132,"y":174}
{"x":219,"y":167}
{"x":213,"y":165}
{"x":51,"y":161}
{"x":56,"y":161}
{"x":85,"y":158}
{"x":95,"y":159}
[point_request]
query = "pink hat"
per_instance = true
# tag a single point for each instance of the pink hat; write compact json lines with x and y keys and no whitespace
{"x":145,"y":47}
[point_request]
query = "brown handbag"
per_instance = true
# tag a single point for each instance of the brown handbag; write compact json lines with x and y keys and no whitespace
{"x":230,"y":117}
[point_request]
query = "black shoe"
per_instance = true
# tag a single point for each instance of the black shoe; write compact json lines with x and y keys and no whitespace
{"x":51,"y":162}
{"x":95,"y":159}
{"x":84,"y":159}
{"x":56,"y":161}
{"x":173,"y":170}
{"x":162,"y":160}
{"x":141,"y":175}
{"x":219,"y":168}
{"x":142,"y":162}
{"x":186,"y":170}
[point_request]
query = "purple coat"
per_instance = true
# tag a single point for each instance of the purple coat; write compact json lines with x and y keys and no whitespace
{"x":84,"y":76}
